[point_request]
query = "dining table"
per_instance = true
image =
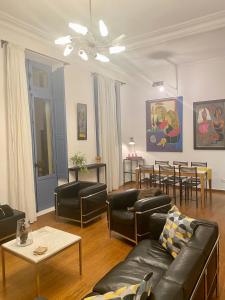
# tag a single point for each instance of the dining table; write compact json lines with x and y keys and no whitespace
{"x":203,"y":173}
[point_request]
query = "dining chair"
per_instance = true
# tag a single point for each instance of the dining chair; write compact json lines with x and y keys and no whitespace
{"x":151,"y":179}
{"x":167,"y":175}
{"x":180,"y":163}
{"x":203,"y":165}
{"x":162,"y":162}
{"x":189,"y":181}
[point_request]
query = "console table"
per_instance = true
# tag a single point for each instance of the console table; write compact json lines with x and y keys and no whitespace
{"x":96,"y":166}
{"x":133,"y":162}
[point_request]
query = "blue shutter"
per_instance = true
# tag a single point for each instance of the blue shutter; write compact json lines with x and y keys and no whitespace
{"x":60,"y":123}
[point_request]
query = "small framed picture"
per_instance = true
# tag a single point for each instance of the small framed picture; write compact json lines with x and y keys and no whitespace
{"x":81,"y":121}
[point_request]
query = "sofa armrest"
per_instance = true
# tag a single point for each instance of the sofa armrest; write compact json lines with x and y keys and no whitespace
{"x":93,"y":189}
{"x":68,"y":189}
{"x":123,"y":199}
{"x":156,"y":224}
{"x":152,"y":202}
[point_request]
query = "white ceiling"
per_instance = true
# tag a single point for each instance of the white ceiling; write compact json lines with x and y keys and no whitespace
{"x":157,"y":31}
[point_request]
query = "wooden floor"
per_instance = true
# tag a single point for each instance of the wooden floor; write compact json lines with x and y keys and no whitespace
{"x":60,"y":277}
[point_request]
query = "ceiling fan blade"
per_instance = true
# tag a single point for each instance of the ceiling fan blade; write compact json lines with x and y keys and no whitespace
{"x":118,"y":40}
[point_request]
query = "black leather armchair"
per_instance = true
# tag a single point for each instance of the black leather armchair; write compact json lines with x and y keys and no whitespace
{"x":8,"y":221}
{"x":80,"y":201}
{"x":128,"y":216}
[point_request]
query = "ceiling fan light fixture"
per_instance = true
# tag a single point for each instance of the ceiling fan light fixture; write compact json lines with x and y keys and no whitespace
{"x":83,"y":55}
{"x":101,"y":57}
{"x":68,"y":50}
{"x":63,"y":40}
{"x":116,"y":49}
{"x":103,"y":28}
{"x":78,"y":28}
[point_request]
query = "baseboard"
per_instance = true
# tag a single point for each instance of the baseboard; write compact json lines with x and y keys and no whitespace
{"x":45,"y":211}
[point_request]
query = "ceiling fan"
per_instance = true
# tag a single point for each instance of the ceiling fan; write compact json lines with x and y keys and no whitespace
{"x":88,"y":44}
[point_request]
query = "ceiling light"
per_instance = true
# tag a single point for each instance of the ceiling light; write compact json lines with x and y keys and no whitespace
{"x":162,"y":88}
{"x":83,"y":55}
{"x":116,"y":49}
{"x":131,"y":142}
{"x":101,"y":57}
{"x":63,"y":40}
{"x":87,"y":44}
{"x":68,"y":50}
{"x":103,"y":28}
{"x":159,"y":84}
{"x":78,"y":28}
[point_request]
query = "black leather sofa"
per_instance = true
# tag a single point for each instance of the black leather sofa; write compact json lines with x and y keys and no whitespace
{"x":193,"y":274}
{"x":8,"y":221}
{"x":80,"y":201}
{"x":128,"y":215}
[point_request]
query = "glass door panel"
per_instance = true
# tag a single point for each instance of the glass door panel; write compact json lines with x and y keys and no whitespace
{"x":43,"y":137}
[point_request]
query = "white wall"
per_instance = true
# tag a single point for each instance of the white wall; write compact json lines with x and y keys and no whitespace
{"x":78,"y":89}
{"x":197,"y":82}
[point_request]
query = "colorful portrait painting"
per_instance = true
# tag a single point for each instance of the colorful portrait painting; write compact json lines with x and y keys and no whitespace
{"x":164,"y":119}
{"x":209,"y":127}
{"x":81,"y":121}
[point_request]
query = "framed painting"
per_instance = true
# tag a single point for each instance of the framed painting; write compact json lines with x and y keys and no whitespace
{"x":81,"y":121}
{"x":209,"y":129}
{"x":164,"y":125}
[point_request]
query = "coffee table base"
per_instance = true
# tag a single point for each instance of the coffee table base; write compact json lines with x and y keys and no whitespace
{"x":37,"y":265}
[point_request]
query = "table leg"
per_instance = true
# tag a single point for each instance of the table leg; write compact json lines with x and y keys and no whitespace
{"x":202,"y":181}
{"x":3,"y":266}
{"x":97,"y":170}
{"x":76,"y":175}
{"x":137,"y":177}
{"x":80,"y":256}
{"x":37,"y":280}
{"x":210,"y":189}
{"x":105,"y":175}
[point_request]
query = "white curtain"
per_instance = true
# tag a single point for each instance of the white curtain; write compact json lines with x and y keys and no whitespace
{"x":108,"y":131}
{"x":21,"y":189}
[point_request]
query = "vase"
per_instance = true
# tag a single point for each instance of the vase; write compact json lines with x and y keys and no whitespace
{"x":23,"y":233}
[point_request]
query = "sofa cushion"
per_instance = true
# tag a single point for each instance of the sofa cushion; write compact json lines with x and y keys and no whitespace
{"x":128,"y":272}
{"x":123,"y":216}
{"x":151,"y":252}
{"x":120,"y":293}
{"x":186,"y":268}
{"x":177,"y":231}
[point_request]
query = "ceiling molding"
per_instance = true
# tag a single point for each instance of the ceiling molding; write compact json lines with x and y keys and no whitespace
{"x":12,"y":23}
{"x":192,"y":27}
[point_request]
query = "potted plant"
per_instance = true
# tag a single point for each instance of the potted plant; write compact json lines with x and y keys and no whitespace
{"x":79,"y":160}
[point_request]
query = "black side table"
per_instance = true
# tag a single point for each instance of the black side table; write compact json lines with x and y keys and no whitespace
{"x":96,"y":166}
{"x":133,"y":162}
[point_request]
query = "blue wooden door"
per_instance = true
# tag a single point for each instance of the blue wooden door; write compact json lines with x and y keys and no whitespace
{"x":42,"y":120}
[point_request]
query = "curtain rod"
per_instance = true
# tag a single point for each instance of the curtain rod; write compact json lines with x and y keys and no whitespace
{"x":95,"y":73}
{"x":3,"y":42}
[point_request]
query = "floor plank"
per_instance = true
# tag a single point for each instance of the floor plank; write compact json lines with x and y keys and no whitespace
{"x":60,"y":277}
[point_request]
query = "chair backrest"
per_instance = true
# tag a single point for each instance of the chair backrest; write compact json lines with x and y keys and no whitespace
{"x":162,"y":162}
{"x":198,"y":164}
{"x":189,"y":171}
{"x":166,"y":170}
{"x":180,"y":163}
{"x":146,"y":167}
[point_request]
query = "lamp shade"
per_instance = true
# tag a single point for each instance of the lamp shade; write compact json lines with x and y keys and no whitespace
{"x":131,"y":142}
